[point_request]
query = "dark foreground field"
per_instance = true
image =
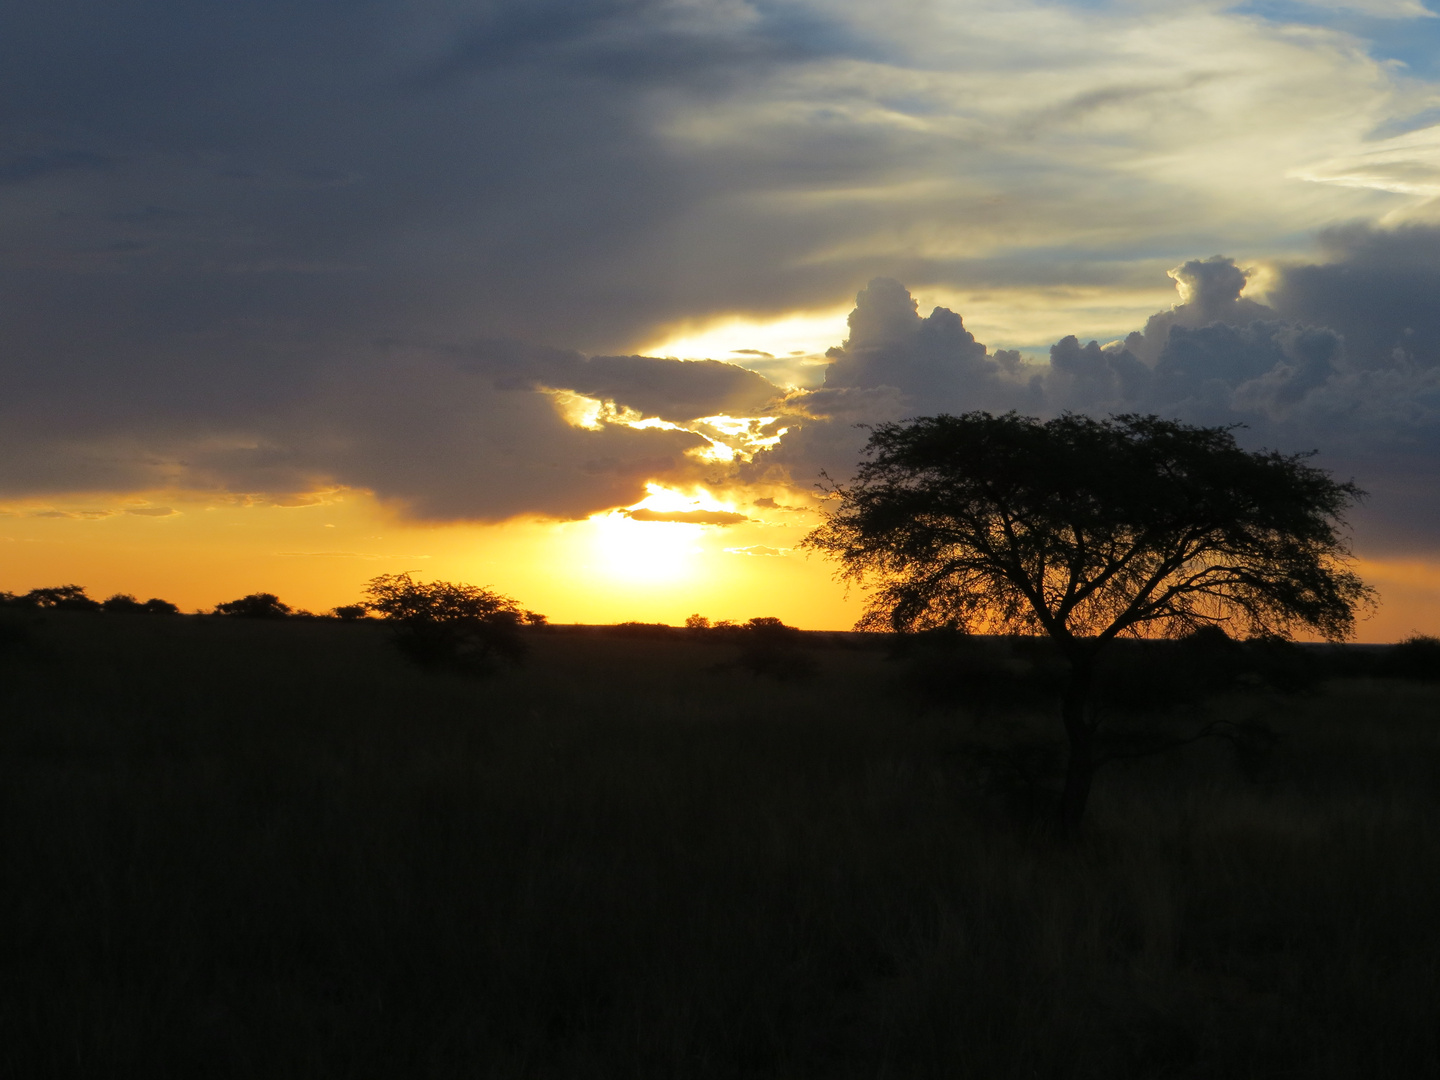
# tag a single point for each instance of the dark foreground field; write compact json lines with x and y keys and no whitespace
{"x":273,"y":849}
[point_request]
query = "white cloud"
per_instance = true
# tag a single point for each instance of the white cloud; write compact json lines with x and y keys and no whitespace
{"x":1379,"y":9}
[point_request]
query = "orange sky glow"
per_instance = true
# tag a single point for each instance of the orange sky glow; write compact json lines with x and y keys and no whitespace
{"x":605,"y":569}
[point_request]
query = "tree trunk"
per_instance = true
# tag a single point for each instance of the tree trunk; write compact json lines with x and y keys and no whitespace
{"x":1080,"y":765}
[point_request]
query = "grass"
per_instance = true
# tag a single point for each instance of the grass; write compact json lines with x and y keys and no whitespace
{"x":239,"y":848}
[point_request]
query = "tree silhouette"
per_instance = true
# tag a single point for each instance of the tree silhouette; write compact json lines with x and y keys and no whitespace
{"x":448,"y":624}
{"x":769,"y":647}
{"x":59,"y":598}
{"x":124,"y":602}
{"x":1084,"y":530}
{"x":261,"y":605}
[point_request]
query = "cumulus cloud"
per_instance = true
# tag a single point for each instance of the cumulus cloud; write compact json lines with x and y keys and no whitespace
{"x":891,"y":345}
{"x":1363,"y":391}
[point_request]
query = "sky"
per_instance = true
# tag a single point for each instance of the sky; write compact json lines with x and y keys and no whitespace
{"x":576,"y":299}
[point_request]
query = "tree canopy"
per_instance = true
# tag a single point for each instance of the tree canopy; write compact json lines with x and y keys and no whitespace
{"x":1086,"y":529}
{"x":262,"y":605}
{"x":450,"y":624}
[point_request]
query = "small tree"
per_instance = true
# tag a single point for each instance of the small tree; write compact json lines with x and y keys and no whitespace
{"x":442,"y":623}
{"x":262,"y":605}
{"x":769,"y":647}
{"x":60,"y":598}
{"x":1084,"y":530}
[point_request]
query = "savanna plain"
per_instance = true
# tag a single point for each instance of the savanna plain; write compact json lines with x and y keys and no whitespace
{"x":276,"y":848}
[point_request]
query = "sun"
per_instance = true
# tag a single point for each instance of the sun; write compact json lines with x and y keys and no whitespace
{"x":645,"y":552}
{"x":640,"y":549}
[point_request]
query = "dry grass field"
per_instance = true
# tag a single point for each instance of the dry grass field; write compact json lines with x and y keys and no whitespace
{"x":274,"y":849}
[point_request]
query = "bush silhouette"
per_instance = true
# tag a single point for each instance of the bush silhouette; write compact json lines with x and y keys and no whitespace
{"x":769,"y":647}
{"x":1282,"y":663}
{"x":124,"y":602}
{"x":1416,"y":657}
{"x":58,"y":598}
{"x":449,"y":624}
{"x":255,"y":606}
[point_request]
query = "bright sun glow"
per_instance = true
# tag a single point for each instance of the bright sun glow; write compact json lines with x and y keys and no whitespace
{"x":654,"y":551}
{"x":789,"y":350}
{"x":645,"y":551}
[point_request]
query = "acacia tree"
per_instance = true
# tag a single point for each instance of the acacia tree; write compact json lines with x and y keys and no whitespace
{"x":1084,"y":530}
{"x":260,"y":605}
{"x":443,"y":623}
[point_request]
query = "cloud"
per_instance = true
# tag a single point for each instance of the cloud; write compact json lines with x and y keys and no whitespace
{"x":1364,"y":390}
{"x":273,"y":248}
{"x":19,"y":168}
{"x":670,"y":389}
{"x":758,"y":549}
{"x":688,"y":517}
{"x":1380,"y":9}
{"x":1374,"y":286}
{"x":891,"y":345}
{"x":452,"y":433}
{"x":151,"y":511}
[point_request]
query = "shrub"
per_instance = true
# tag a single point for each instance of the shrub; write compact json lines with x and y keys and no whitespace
{"x":1417,"y":657}
{"x":769,"y":647}
{"x":124,"y":602}
{"x":59,"y":598}
{"x":262,"y":605}
{"x":1286,"y":666}
{"x":449,"y":624}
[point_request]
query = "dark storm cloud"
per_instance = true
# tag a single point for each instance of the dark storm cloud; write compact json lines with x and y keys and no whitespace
{"x":1377,"y":287}
{"x":445,"y":434}
{"x":669,"y":389}
{"x":219,"y":219}
{"x":437,"y":164}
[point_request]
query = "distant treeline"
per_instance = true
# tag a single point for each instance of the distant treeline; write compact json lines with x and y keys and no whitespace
{"x":457,"y":625}
{"x":73,"y":598}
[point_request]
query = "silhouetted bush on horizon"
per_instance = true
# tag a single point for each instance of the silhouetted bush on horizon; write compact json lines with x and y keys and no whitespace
{"x":261,"y":605}
{"x":58,"y":598}
{"x":73,"y":598}
{"x":124,"y":602}
{"x":444,"y":624}
{"x":1417,"y":657}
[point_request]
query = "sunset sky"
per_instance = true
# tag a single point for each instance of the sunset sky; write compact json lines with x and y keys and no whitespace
{"x":576,"y":298}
